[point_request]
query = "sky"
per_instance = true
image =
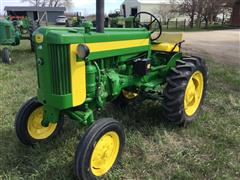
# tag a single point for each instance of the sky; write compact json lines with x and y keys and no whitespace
{"x":85,"y":6}
{"x":89,"y":6}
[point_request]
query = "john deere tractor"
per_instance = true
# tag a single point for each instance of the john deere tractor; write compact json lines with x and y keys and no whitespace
{"x":9,"y":36}
{"x":81,"y":69}
{"x":12,"y":31}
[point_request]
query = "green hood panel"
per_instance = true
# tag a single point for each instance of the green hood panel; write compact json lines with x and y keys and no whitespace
{"x":56,"y":35}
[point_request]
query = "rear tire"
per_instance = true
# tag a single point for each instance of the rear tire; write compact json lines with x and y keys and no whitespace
{"x":32,"y":27}
{"x":99,"y":149}
{"x":28,"y":130}
{"x":6,"y":56}
{"x":185,"y":91}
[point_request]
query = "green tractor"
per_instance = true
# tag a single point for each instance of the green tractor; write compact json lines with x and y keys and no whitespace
{"x":119,"y":21}
{"x":9,"y":36}
{"x":14,"y":31}
{"x":75,"y":21}
{"x":81,"y":69}
{"x":123,"y":22}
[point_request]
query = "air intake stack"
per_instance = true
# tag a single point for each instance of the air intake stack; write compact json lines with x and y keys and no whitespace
{"x":100,"y":16}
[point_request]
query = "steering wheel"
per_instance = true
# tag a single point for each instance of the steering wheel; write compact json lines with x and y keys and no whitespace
{"x":154,"y":26}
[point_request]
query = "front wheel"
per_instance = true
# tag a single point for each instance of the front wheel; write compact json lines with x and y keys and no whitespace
{"x":6,"y":56}
{"x":28,"y":124}
{"x":99,"y":149}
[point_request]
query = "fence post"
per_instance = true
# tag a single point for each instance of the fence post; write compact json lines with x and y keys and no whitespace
{"x":176,"y":23}
{"x":184,"y":24}
{"x":167,"y":23}
{"x":223,"y":19}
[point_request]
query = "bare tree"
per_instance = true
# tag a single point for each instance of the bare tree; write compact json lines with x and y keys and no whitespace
{"x":50,"y":3}
{"x":34,"y":2}
{"x":58,"y":3}
{"x":212,"y":8}
{"x":166,"y":11}
{"x":207,"y":11}
{"x":204,"y":10}
{"x":189,"y":7}
{"x":200,"y":7}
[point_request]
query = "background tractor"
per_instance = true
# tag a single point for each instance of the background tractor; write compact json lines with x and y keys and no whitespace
{"x":12,"y":30}
{"x":9,"y":36}
{"x":122,"y":22}
{"x":81,"y":69}
{"x":116,"y":20}
{"x":113,"y":20}
{"x":75,"y":21}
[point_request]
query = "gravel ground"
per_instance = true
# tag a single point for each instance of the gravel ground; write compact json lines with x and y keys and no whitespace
{"x":223,"y":46}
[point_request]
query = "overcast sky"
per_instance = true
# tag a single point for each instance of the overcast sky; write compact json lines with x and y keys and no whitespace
{"x":84,"y":6}
{"x":89,"y":5}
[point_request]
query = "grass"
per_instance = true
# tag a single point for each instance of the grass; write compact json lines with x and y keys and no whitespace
{"x":206,"y":149}
{"x":196,"y":29}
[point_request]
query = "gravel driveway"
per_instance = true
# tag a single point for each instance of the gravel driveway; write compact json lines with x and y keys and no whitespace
{"x":223,"y":46}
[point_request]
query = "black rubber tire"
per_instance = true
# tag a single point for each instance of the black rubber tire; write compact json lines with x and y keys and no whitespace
{"x":22,"y":119}
{"x":88,"y":141}
{"x":6,"y":56}
{"x":32,"y":27}
{"x":177,"y":80}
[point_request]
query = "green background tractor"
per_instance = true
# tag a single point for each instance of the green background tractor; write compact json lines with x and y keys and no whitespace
{"x":75,"y":21}
{"x":12,"y":31}
{"x":120,"y":22}
{"x":81,"y":69}
{"x":9,"y":36}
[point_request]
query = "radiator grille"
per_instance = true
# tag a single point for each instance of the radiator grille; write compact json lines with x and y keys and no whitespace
{"x":8,"y":33}
{"x":60,"y":66}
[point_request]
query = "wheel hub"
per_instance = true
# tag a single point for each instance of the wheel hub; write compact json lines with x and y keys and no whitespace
{"x":105,"y":153}
{"x":35,"y":128}
{"x":193,"y":93}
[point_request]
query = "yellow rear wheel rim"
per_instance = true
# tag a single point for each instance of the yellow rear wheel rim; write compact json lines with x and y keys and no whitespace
{"x":105,"y":153}
{"x":193,"y":93}
{"x":35,"y":128}
{"x":129,"y":95}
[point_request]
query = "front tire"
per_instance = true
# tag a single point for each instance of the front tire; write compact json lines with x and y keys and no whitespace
{"x":99,"y":149}
{"x":32,"y":27}
{"x":6,"y":56}
{"x":185,"y":91}
{"x":28,"y":125}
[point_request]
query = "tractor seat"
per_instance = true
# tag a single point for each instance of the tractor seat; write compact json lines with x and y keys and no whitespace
{"x":167,"y":41}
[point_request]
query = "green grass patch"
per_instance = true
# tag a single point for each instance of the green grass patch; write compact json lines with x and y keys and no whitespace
{"x":206,"y":149}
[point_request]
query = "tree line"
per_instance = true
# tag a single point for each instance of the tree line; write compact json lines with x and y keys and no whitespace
{"x":197,"y":10}
{"x":50,"y":3}
{"x":204,"y":10}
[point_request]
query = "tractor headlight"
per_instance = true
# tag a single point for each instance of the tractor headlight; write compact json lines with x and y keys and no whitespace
{"x":39,"y":38}
{"x":82,"y":51}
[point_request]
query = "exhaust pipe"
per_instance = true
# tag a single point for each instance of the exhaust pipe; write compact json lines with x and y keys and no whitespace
{"x":100,"y":16}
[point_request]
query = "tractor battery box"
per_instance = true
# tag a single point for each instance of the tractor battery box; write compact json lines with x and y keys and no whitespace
{"x":141,"y":66}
